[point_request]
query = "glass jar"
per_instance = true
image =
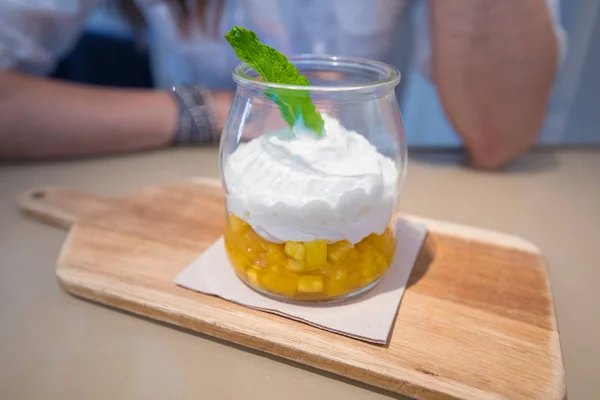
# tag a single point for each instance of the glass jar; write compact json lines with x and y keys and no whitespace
{"x":312,"y":217}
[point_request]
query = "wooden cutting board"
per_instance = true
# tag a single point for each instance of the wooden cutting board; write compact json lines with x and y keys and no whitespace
{"x":477,"y":320}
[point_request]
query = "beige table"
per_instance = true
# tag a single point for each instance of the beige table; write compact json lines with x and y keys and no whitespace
{"x":53,"y":346}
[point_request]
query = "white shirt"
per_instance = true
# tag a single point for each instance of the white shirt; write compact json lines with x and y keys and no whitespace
{"x":34,"y":34}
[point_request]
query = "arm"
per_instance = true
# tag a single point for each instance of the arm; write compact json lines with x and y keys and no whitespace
{"x":494,"y":63}
{"x":43,"y":118}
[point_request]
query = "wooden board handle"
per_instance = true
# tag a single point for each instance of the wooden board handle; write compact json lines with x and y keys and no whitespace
{"x":59,"y":207}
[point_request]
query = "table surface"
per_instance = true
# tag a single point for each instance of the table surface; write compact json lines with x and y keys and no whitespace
{"x":54,"y":346}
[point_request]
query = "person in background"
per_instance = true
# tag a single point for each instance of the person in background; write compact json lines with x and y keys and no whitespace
{"x":493,"y":63}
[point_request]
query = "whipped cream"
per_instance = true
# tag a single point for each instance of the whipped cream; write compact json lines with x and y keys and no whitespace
{"x":293,"y":185}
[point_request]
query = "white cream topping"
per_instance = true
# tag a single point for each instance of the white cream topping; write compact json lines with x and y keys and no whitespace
{"x":297,"y":186}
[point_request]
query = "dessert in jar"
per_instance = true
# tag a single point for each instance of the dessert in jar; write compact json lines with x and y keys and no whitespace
{"x":311,"y":207}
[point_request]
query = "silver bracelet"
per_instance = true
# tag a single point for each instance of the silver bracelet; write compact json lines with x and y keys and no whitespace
{"x":197,"y":122}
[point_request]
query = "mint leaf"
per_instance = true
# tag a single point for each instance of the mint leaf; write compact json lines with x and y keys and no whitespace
{"x":274,"y":67}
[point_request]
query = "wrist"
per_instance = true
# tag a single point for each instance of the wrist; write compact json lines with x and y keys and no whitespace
{"x":164,"y":116}
{"x":197,"y":122}
{"x":222,"y":100}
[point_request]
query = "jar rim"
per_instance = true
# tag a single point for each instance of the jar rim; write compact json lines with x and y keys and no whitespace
{"x":390,"y":75}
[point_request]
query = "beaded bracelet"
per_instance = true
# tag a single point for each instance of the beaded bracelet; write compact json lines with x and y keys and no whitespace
{"x":197,"y":121}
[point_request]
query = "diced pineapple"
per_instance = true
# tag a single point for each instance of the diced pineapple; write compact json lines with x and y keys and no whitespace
{"x":253,"y":242}
{"x":275,"y":257}
{"x":374,"y":240}
{"x":336,"y":274}
{"x":252,"y":275}
{"x":280,"y":282}
{"x":355,"y":280}
{"x":295,"y":265}
{"x":233,"y":241}
{"x":295,"y":250}
{"x":275,"y":247}
{"x":378,"y":241}
{"x":259,"y":262}
{"x":380,"y":261}
{"x":339,"y":251}
{"x":369,"y":272}
{"x":239,"y":261}
{"x":367,"y":264}
{"x":316,"y":254}
{"x":353,"y":260}
{"x":336,"y":282}
{"x":237,"y":224}
{"x":310,"y":284}
{"x":367,"y":256}
{"x":364,"y":246}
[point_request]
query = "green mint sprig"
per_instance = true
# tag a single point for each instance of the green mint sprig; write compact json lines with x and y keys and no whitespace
{"x":274,"y":67}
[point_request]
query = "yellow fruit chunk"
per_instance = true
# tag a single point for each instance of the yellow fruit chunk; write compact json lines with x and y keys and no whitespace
{"x":336,"y":282}
{"x":380,"y":261}
{"x":339,"y":251}
{"x":364,"y":246}
{"x":295,"y":265}
{"x":295,"y":250}
{"x":237,"y":224}
{"x":274,"y":246}
{"x":239,"y":261}
{"x":233,"y":241}
{"x":252,"y":275}
{"x":316,"y":254}
{"x":369,"y":273}
{"x":352,"y":261}
{"x":279,"y":281}
{"x":367,"y":253}
{"x":253,"y":242}
{"x":259,"y":262}
{"x":355,"y":280}
{"x":385,"y":242}
{"x":367,"y":257}
{"x":310,"y":284}
{"x":275,"y":257}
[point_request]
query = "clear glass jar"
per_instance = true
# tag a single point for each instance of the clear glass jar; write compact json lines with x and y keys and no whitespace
{"x":312,"y":218}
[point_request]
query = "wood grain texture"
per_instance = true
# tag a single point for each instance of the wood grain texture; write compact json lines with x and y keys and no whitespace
{"x":477,"y":321}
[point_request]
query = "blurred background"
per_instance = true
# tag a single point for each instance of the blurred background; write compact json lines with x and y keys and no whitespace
{"x":112,"y":53}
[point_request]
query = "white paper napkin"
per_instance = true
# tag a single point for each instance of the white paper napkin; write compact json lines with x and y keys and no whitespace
{"x":367,"y":317}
